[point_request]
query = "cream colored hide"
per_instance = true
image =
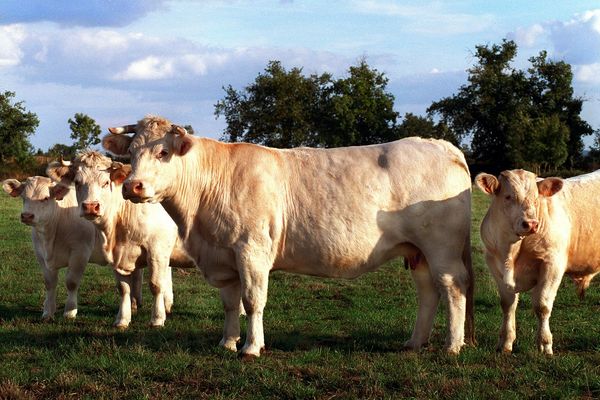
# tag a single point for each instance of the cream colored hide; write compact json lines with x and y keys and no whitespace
{"x":135,"y":235}
{"x":534,"y":232}
{"x":60,"y":238}
{"x":244,"y":210}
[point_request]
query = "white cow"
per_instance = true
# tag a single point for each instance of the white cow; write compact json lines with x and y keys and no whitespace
{"x":135,"y":235}
{"x":60,"y":238}
{"x":535,"y":231}
{"x":245,"y":210}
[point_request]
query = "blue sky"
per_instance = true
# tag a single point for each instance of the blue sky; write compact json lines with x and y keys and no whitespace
{"x":118,"y":60}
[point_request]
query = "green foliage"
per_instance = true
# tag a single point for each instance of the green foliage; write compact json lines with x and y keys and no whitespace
{"x":16,"y":125}
{"x":517,"y":118}
{"x":414,"y":125}
{"x":325,"y":338}
{"x":287,"y":109}
{"x":84,"y":131}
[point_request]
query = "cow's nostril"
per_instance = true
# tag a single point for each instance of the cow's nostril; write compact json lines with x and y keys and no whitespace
{"x":137,"y":187}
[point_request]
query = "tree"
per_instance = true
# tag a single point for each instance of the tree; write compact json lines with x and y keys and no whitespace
{"x":287,"y":109}
{"x":16,"y":125}
{"x":513,"y":116}
{"x":60,"y":150}
{"x":84,"y":131}
{"x":414,"y":125}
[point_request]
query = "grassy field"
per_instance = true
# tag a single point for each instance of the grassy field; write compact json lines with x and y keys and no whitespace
{"x":326,"y":339}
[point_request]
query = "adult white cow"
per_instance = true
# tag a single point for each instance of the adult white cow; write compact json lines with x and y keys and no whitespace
{"x":60,"y":238}
{"x":134,"y":235}
{"x":535,"y":231}
{"x":245,"y":210}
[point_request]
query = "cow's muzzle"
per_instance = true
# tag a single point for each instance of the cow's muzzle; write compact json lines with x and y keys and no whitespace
{"x":90,"y":209}
{"x":529,"y":227}
{"x":135,"y":191}
{"x":27,"y":218}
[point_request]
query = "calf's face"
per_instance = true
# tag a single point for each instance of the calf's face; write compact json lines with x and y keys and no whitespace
{"x":39,"y":198}
{"x":516,"y":196}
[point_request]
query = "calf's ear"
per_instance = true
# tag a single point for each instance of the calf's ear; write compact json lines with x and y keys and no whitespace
{"x":117,"y":144}
{"x":59,"y":191}
{"x":13,"y":187}
{"x":549,"y":186}
{"x":488,"y":184}
{"x":60,"y":171}
{"x":119,"y":172}
{"x":182,"y":142}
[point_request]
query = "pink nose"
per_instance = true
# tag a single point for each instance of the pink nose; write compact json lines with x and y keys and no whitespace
{"x":132,"y":189}
{"x":90,"y":208}
{"x":26,"y":217}
{"x":531,"y":225}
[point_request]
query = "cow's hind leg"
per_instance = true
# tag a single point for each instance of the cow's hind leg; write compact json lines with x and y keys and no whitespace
{"x":428,"y":299}
{"x":137,"y":277}
{"x":451,"y":277}
{"x":230,"y":296}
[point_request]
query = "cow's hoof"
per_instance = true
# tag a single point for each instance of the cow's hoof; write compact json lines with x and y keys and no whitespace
{"x":410,"y":345}
{"x":121,"y":326}
{"x":70,"y":314}
{"x":47,"y":318}
{"x":230,"y":344}
{"x":453,"y":350}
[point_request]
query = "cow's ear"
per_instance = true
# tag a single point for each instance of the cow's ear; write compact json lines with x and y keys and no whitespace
{"x":119,"y":172}
{"x":117,"y":144}
{"x":59,"y":191}
{"x":182,"y":142}
{"x":487,"y":183}
{"x":13,"y":187}
{"x":550,"y":186}
{"x":60,"y":171}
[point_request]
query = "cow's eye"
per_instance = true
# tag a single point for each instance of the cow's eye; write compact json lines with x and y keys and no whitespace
{"x":508,"y":197}
{"x":45,"y":198}
{"x":163,"y":153}
{"x":105,"y":184}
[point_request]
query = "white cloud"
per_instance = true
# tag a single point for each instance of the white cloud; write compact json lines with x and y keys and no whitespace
{"x":11,"y":37}
{"x":150,"y":67}
{"x":529,"y":36}
{"x":427,"y":18}
{"x":588,"y":74}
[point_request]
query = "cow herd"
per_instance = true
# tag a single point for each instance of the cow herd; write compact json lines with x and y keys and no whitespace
{"x":237,"y":211}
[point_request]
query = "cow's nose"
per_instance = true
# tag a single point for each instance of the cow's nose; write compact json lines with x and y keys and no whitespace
{"x":530,"y":225}
{"x":134,"y":188}
{"x":26,"y":217}
{"x":91,"y":208}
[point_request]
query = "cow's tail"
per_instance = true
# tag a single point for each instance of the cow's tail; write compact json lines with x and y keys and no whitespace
{"x":470,"y":312}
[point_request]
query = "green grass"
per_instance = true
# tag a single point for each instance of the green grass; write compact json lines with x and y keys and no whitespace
{"x":326,"y":339}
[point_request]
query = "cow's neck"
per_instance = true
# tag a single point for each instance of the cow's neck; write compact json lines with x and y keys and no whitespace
{"x":200,"y":190}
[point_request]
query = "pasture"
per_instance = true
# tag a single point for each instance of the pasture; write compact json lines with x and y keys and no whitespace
{"x":325,"y":339}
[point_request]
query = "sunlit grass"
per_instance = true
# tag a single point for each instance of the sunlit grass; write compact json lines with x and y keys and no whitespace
{"x":325,"y":339}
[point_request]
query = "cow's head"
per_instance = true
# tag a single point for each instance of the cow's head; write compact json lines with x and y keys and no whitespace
{"x":97,"y":180}
{"x":154,"y":149}
{"x":39,"y":196}
{"x":517,"y":194}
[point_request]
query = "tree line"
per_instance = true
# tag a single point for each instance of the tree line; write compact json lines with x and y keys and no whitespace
{"x":503,"y":117}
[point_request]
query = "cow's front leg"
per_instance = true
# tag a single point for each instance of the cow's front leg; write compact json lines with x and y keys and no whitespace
{"x":124,"y":288}
{"x":254,"y":275}
{"x":542,"y":297}
{"x":50,"y":282}
{"x":508,"y":332}
{"x":428,"y":299}
{"x":77,"y":264}
{"x":230,"y":296}
{"x":159,"y":286}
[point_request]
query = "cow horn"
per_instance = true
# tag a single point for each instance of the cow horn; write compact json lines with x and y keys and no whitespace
{"x":122,"y":129}
{"x":178,"y":130}
{"x":64,"y":163}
